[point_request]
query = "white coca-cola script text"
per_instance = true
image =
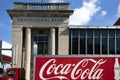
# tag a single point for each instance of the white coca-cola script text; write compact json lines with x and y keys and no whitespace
{"x":79,"y":70}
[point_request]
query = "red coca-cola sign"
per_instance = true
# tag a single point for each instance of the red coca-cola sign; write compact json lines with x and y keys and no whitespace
{"x":77,"y":68}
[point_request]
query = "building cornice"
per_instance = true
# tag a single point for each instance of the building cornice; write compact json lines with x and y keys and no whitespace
{"x":41,"y":3}
{"x":39,"y":13}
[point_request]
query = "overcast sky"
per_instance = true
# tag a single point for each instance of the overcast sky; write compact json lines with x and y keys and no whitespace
{"x":86,"y":12}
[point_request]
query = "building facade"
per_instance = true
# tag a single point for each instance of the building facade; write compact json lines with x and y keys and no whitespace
{"x":98,"y":40}
{"x":39,"y":29}
{"x":42,"y":29}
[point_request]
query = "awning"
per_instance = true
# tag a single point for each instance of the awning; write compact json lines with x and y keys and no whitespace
{"x":6,"y":59}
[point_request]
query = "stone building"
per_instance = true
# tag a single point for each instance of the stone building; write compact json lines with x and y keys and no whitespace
{"x":42,"y":29}
{"x":39,"y":29}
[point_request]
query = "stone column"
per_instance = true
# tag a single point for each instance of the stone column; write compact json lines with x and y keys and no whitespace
{"x":52,"y":41}
{"x":28,"y":53}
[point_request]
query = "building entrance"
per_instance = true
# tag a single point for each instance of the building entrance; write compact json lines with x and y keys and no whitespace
{"x":41,"y":44}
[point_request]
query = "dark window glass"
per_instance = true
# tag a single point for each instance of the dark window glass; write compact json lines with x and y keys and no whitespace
{"x":40,"y":48}
{"x":104,"y":41}
{"x":35,"y":38}
{"x":46,"y":38}
{"x":42,"y":44}
{"x":82,"y":33}
{"x":111,"y":33}
{"x":104,"y":46}
{"x":97,"y":45}
{"x":104,"y":33}
{"x":89,"y":33}
{"x":82,"y":45}
{"x":111,"y":41}
{"x":97,"y":33}
{"x":118,"y":41}
{"x":74,"y":45}
{"x":70,"y":48}
{"x":41,"y":38}
{"x":118,"y":33}
{"x":112,"y":46}
{"x":118,"y":45}
{"x":75,"y":33}
{"x":46,"y":47}
{"x":83,"y":41}
{"x":90,"y":46}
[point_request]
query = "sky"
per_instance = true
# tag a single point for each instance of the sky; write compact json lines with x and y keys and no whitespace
{"x":86,"y":12}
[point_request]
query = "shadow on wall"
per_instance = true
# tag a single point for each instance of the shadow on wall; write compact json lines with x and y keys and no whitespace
{"x":65,"y":32}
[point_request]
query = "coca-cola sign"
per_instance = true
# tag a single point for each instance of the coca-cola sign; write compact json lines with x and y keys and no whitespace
{"x":75,"y":68}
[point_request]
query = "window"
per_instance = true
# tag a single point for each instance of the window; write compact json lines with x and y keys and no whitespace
{"x":104,"y":46}
{"x":104,"y":41}
{"x":89,"y":46}
{"x":111,"y":46}
{"x":95,"y":41}
{"x":11,"y":73}
{"x":82,"y":46}
{"x":118,"y":45}
{"x":117,"y":41}
{"x":40,"y":44}
{"x":70,"y":44}
{"x":75,"y":41}
{"x":111,"y":41}
{"x":75,"y":45}
{"x":82,"y":42}
{"x":97,"y":46}
{"x":89,"y":41}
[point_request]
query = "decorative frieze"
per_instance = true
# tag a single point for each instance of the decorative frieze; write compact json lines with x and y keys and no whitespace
{"x":37,"y":19}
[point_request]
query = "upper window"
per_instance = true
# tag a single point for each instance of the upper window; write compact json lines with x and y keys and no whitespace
{"x":94,"y":41}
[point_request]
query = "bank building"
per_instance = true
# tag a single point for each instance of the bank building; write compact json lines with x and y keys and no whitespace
{"x":42,"y":29}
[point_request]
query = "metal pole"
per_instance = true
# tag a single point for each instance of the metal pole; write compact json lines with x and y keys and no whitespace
{"x":6,"y":49}
{"x":13,"y":56}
